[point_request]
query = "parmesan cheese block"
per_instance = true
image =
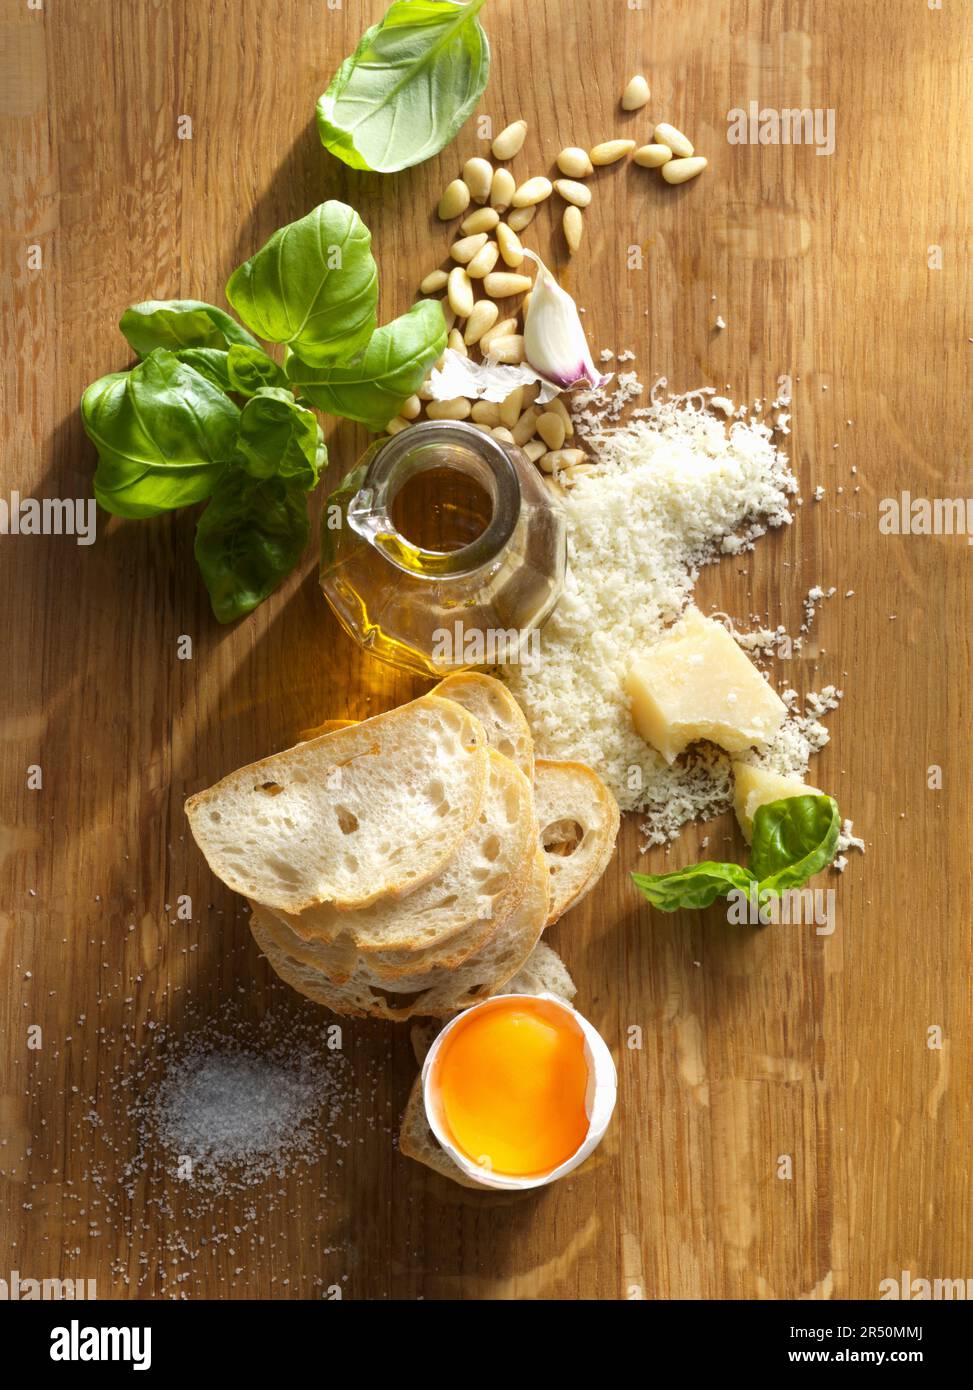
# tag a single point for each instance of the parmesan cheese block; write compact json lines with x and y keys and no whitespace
{"x":697,"y":683}
{"x":758,"y":786}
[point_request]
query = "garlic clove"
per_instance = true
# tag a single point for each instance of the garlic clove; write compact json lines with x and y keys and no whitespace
{"x":554,"y":340}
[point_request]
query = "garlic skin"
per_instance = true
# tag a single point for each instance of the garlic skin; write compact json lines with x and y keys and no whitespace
{"x":554,"y":341}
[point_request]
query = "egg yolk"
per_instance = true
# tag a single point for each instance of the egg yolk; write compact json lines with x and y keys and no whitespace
{"x":512,"y":1083}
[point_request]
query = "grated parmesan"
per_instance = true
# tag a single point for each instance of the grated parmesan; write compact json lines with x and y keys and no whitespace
{"x":670,"y":490}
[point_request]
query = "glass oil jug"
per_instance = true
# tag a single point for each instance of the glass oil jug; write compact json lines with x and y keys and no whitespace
{"x":443,"y":550}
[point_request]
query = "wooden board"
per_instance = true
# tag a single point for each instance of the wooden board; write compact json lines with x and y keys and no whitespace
{"x":756,"y":1046}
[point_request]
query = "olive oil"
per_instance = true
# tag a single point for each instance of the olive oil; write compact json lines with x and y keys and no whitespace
{"x":441,"y":510}
{"x":443,"y":550}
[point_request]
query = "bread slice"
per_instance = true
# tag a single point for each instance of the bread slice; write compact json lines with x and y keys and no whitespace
{"x":447,"y":919}
{"x":506,"y":727}
{"x":437,"y":993}
{"x":543,"y":973}
{"x":578,"y":820}
{"x":368,"y":810}
{"x":416,"y":1140}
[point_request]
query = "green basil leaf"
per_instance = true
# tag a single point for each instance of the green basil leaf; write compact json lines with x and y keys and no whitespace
{"x":314,"y":286}
{"x":181,"y":323}
{"x":251,"y":370}
{"x":793,"y":839}
{"x":164,"y":435}
{"x":279,"y":438}
{"x":696,"y":886}
{"x":212,"y":363}
{"x":413,"y":80}
{"x":373,"y":387}
{"x":249,"y":538}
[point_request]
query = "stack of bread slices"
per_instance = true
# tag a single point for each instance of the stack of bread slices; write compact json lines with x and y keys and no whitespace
{"x":407,"y":866}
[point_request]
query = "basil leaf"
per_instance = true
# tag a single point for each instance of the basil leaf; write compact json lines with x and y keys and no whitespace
{"x":279,"y":438}
{"x":181,"y":323}
{"x":793,"y":839}
{"x":373,"y":387}
{"x":212,"y":363}
{"x":413,"y":80}
{"x":698,"y":885}
{"x":249,"y":538}
{"x":164,"y":435}
{"x":250,"y":370}
{"x":314,"y":286}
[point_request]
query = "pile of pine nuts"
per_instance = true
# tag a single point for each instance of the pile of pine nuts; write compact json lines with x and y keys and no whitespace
{"x":487,"y":256}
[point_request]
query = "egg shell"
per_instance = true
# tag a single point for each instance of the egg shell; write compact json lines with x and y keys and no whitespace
{"x":599,"y":1098}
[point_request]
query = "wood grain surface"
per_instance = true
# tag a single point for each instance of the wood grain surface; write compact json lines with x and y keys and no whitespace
{"x":756,"y":1045}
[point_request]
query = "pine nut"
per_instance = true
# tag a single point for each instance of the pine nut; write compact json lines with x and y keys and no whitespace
{"x":484,"y":316}
{"x":573,"y":227}
{"x":571,"y":192}
{"x":501,"y":330}
{"x":636,"y":94}
{"x":482,"y":220}
{"x":486,"y":413}
{"x":424,"y":393}
{"x":509,"y":350}
{"x":550,"y":427}
{"x":435,"y":280}
{"x":504,"y":434}
{"x":652,"y":156}
{"x":526,"y":426}
{"x":533,"y":191}
{"x":531,"y":391}
{"x":571,"y":475}
{"x":410,"y":408}
{"x":558,"y":459}
{"x":464,"y":250}
{"x":455,"y":341}
{"x":521,"y":218}
{"x":575,"y":163}
{"x":679,"y":170}
{"x":680,"y":144}
{"x":460,"y":293}
{"x":484,"y":261}
{"x":502,"y":284}
{"x":449,"y":314}
{"x":525,"y":304}
{"x":457,"y":409}
{"x":557,"y":407}
{"x":455,"y":200}
{"x":534,"y":448}
{"x":510,"y":247}
{"x":396,"y":425}
{"x":610,"y":151}
{"x":503,"y":188}
{"x":512,"y":408}
{"x":478,"y":176}
{"x":510,"y":141}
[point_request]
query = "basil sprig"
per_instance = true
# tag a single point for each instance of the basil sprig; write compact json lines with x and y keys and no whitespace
{"x":209,"y":414}
{"x":413,"y":80}
{"x":793,"y":839}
